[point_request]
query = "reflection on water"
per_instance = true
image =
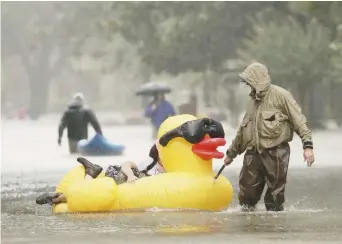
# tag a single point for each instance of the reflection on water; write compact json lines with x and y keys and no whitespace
{"x":181,"y":229}
{"x":313,"y":207}
{"x":190,"y":226}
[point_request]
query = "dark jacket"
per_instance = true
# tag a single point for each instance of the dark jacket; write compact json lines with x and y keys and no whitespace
{"x":76,"y":119}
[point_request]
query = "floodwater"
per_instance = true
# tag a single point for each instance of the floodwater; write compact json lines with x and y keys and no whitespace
{"x":33,"y":163}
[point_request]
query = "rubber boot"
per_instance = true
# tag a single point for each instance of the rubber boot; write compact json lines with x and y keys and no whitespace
{"x":247,"y":208}
{"x":274,"y":207}
{"x":46,"y":198}
{"x":90,"y":169}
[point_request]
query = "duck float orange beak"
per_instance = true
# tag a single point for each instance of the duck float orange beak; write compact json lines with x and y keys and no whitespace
{"x":207,"y":148}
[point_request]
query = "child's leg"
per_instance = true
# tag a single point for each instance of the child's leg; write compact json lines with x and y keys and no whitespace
{"x":88,"y":177}
{"x":50,"y":198}
{"x":61,"y":198}
{"x":90,"y":169}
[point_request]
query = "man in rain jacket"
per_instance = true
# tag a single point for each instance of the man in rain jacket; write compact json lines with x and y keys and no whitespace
{"x":76,"y":119}
{"x":272,"y":115}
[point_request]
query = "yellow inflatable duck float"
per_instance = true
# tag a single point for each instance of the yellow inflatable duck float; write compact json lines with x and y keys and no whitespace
{"x":186,"y":147}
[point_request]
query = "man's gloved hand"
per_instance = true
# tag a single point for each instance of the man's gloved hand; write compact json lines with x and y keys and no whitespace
{"x":228,"y":160}
{"x":59,"y":141}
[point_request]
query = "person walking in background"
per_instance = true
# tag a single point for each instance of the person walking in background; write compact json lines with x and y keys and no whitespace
{"x":271,"y":117}
{"x":76,"y":119}
{"x":159,"y":110}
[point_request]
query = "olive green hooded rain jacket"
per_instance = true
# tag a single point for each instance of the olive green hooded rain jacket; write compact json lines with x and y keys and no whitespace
{"x":272,"y":115}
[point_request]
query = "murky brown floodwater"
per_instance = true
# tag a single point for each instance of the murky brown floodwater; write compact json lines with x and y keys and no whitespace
{"x":33,"y":163}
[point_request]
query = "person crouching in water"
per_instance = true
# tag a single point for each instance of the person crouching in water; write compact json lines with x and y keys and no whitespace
{"x":128,"y":172}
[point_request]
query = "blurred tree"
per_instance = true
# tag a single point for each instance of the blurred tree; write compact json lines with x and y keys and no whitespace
{"x":181,"y":36}
{"x":297,"y":60}
{"x":336,"y":46}
{"x":336,"y":79}
{"x":327,"y":13}
{"x":45,"y":35}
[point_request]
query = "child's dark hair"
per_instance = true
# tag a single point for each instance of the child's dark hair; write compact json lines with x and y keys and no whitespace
{"x":155,"y":156}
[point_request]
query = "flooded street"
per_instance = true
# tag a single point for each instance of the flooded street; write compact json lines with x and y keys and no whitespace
{"x":33,"y":163}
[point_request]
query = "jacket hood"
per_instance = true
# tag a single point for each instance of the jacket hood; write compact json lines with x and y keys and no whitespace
{"x":75,"y":105}
{"x":77,"y":101}
{"x":256,"y":75}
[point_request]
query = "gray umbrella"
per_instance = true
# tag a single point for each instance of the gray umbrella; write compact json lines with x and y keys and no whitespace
{"x":152,"y":88}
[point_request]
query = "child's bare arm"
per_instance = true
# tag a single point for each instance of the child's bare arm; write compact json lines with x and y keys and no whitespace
{"x":126,"y":168}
